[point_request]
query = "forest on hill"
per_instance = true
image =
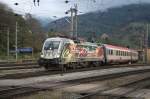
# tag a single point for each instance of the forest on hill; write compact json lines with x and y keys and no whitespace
{"x":125,"y":25}
{"x":30,"y":32}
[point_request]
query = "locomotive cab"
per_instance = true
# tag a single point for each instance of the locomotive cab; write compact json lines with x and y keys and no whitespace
{"x":51,"y":51}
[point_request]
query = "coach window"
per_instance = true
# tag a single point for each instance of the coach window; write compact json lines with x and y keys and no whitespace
{"x":90,"y":48}
{"x":93,"y":48}
{"x":117,"y":53}
{"x":111,"y":52}
{"x":108,"y":51}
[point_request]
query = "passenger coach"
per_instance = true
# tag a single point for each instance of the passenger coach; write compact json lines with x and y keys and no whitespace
{"x":117,"y":54}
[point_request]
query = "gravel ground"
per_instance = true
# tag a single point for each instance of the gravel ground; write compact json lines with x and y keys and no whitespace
{"x":68,"y":76}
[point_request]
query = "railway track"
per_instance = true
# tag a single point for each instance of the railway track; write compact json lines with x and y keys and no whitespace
{"x":43,"y":72}
{"x":32,"y":87}
{"x":12,"y":66}
{"x":30,"y":65}
{"x":16,"y":64}
{"x":121,"y":92}
{"x":19,"y":67}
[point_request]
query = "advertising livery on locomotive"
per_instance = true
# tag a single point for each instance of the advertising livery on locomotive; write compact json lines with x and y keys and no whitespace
{"x":59,"y":51}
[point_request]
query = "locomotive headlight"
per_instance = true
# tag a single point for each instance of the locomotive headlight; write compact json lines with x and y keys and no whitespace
{"x":42,"y":54}
{"x":57,"y":55}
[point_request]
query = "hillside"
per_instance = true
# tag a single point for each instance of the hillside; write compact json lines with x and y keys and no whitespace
{"x":29,"y":30}
{"x":125,"y":25}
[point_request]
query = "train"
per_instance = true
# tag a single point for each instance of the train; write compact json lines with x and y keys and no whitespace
{"x":59,"y":51}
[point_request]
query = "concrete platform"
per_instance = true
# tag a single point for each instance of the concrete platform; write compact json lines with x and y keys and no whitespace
{"x":69,"y":76}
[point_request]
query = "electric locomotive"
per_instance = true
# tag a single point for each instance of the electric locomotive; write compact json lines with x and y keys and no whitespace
{"x":63,"y":51}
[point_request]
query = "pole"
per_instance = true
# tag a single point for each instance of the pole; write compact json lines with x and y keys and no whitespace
{"x":8,"y":44}
{"x":16,"y":47}
{"x":76,"y":21}
{"x":146,"y":43}
{"x":72,"y":23}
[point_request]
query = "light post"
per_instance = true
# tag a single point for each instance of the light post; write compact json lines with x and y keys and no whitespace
{"x":16,"y":36}
{"x":16,"y":41}
{"x":146,"y":43}
{"x":8,"y":44}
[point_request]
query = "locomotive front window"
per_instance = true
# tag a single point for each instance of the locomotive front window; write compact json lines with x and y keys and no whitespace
{"x":51,"y":45}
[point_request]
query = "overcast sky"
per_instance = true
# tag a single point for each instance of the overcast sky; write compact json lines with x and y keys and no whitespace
{"x":50,"y":8}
